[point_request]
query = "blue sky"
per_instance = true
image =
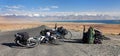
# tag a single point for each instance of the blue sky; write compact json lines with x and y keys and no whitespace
{"x":10,"y":6}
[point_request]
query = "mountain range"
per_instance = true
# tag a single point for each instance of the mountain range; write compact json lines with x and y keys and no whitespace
{"x":57,"y":18}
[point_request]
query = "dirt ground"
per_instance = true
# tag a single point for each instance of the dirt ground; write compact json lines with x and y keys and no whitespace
{"x":72,"y":47}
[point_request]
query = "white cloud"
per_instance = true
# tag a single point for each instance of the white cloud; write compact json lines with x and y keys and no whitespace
{"x":36,"y":15}
{"x":11,"y":10}
{"x":14,"y":7}
{"x":19,"y":10}
{"x":54,"y":7}
{"x":47,"y":9}
{"x":44,"y":9}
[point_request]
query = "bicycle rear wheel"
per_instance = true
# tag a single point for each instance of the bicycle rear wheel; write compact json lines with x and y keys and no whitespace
{"x":68,"y":35}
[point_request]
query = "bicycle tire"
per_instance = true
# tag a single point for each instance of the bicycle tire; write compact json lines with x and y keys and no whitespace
{"x":68,"y":35}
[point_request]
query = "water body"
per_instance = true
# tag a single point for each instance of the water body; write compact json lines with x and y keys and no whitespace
{"x":92,"y":21}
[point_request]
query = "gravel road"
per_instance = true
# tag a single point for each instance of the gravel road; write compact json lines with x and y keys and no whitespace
{"x":72,"y":47}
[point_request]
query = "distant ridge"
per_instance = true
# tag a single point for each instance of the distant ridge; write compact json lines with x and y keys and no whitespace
{"x":54,"y":18}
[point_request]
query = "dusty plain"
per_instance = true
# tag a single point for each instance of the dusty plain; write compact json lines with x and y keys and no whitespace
{"x":113,"y":29}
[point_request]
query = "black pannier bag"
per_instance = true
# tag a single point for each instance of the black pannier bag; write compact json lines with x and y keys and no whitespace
{"x":85,"y":37}
{"x":62,"y":31}
{"x":43,"y":32}
{"x":23,"y":36}
{"x":98,"y":37}
{"x":98,"y":34}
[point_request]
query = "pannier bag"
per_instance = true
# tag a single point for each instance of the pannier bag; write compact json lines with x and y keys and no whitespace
{"x":92,"y":36}
{"x":23,"y":36}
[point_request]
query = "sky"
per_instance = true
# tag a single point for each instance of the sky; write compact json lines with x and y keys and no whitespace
{"x":37,"y":6}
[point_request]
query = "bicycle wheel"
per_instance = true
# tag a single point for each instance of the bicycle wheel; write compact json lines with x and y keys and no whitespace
{"x":68,"y":35}
{"x":57,"y":41}
{"x":32,"y":43}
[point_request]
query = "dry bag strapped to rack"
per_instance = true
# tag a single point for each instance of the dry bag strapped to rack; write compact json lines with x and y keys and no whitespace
{"x":92,"y":36}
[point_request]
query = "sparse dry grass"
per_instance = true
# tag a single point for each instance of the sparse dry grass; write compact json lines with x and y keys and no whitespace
{"x":11,"y":26}
{"x":105,"y":28}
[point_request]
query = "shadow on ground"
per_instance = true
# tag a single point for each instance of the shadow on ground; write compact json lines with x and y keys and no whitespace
{"x":13,"y":45}
{"x":74,"y":41}
{"x":9,"y":44}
